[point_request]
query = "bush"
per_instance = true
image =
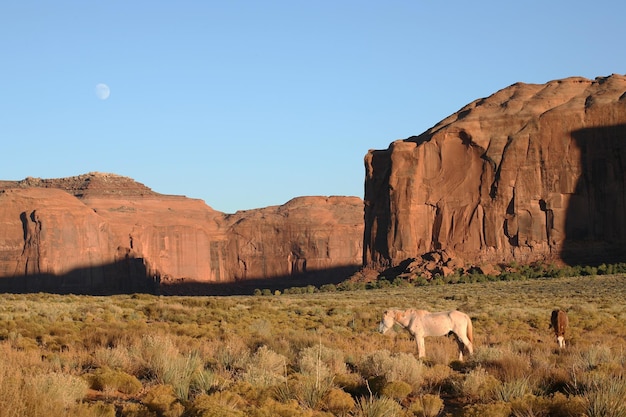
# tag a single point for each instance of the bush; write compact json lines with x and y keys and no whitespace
{"x":397,"y":390}
{"x":265,"y":368}
{"x":161,"y":400}
{"x":219,"y":404}
{"x":605,"y":397}
{"x":497,"y":409}
{"x":338,"y":402}
{"x":105,"y":378}
{"x":377,"y":407}
{"x":399,"y":367}
{"x":428,"y":405}
{"x":477,"y":385}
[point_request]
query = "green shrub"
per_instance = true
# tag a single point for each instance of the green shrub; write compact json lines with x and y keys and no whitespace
{"x":105,"y":378}
{"x":398,"y":367}
{"x":477,"y":384}
{"x":338,"y":402}
{"x":265,"y":368}
{"x":161,"y":400}
{"x":497,"y":409}
{"x":605,"y":397}
{"x":397,"y":390}
{"x":219,"y":404}
{"x":428,"y":405}
{"x":510,"y":390}
{"x":377,"y":407}
{"x":49,"y":394}
{"x":97,"y":409}
{"x":135,"y":410}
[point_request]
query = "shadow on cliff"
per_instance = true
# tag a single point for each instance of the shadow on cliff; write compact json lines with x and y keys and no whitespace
{"x":127,"y":276}
{"x":595,"y":224}
{"x":247,"y":286}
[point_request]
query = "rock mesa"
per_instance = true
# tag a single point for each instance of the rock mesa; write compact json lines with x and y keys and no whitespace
{"x":530,"y":173}
{"x":104,"y":233}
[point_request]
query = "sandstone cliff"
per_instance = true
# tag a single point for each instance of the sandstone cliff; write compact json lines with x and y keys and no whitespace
{"x":533,"y":172}
{"x":107,"y":233}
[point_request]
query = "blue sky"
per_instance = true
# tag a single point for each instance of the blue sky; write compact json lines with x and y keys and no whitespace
{"x":247,"y":104}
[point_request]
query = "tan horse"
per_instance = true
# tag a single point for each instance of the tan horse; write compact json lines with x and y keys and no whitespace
{"x":422,"y":323}
{"x":558,"y":322}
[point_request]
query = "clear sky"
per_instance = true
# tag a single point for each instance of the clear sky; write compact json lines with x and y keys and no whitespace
{"x":247,"y":104}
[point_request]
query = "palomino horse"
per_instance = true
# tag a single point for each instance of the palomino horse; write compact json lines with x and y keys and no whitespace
{"x":421,"y":323}
{"x":558,"y":322}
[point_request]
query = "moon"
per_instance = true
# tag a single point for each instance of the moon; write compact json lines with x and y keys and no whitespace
{"x":103,"y":91}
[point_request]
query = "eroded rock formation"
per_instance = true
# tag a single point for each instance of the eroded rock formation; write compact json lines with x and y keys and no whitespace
{"x":107,"y":233}
{"x":531,"y":173}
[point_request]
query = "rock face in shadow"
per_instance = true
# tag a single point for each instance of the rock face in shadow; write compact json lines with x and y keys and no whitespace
{"x":89,"y":227}
{"x":531,"y":173}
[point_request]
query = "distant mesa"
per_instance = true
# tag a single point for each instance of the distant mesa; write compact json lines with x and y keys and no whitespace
{"x":105,"y":233}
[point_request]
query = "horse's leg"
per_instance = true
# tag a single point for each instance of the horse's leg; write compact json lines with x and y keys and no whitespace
{"x":464,"y":343}
{"x":461,"y":346}
{"x":421,"y":348}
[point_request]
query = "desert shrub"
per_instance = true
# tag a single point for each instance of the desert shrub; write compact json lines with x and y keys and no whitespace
{"x":51,"y":394}
{"x":136,"y":410}
{"x":398,"y":367}
{"x":377,"y":407}
{"x":321,"y":361}
{"x":351,"y":382}
{"x":338,"y":402}
{"x":530,"y":406}
{"x":203,"y":381}
{"x":397,"y":390}
{"x":593,"y":357}
{"x":181,"y":372}
{"x":118,"y":357}
{"x":153,"y":353}
{"x":436,"y":377}
{"x":605,"y":396}
{"x":233,"y":356}
{"x":509,"y":367}
{"x":162,"y":400}
{"x":219,"y":404}
{"x":497,"y":409}
{"x":311,"y":390}
{"x":427,"y":405}
{"x":477,"y":384}
{"x":105,"y":379}
{"x":265,"y":368}
{"x":509,"y":390}
{"x":96,"y":409}
{"x":566,"y":406}
{"x":162,"y":359}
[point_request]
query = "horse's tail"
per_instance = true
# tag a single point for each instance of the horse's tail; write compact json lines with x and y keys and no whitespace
{"x":470,"y":330}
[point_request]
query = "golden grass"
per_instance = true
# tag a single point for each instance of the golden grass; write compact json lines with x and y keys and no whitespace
{"x":314,"y":354}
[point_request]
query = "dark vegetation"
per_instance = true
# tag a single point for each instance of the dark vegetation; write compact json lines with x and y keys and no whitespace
{"x":318,"y":352}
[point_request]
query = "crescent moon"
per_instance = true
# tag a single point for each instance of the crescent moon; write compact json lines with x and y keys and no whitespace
{"x":103,"y":91}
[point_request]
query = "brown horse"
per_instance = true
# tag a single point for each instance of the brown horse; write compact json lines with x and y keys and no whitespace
{"x":422,"y":323}
{"x":558,"y":322}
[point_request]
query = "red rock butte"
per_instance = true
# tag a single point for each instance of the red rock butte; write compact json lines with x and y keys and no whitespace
{"x":105,"y":233}
{"x":530,"y":173}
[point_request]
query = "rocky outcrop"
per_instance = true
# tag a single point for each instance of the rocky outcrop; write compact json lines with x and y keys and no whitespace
{"x":531,"y":173}
{"x":107,"y":233}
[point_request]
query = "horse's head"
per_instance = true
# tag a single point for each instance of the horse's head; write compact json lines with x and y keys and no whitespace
{"x":387,"y":321}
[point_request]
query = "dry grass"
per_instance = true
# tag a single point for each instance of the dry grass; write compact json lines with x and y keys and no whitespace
{"x":314,"y":354}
